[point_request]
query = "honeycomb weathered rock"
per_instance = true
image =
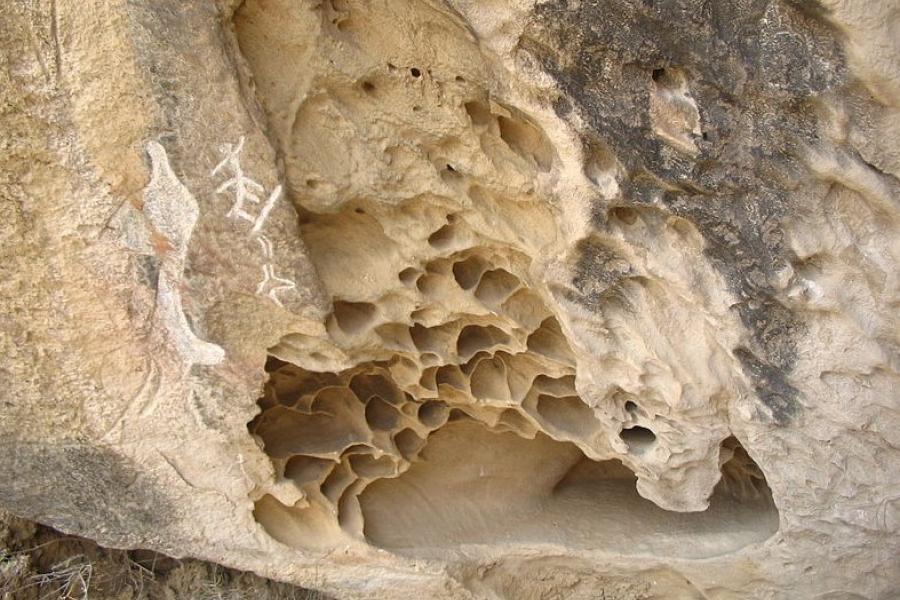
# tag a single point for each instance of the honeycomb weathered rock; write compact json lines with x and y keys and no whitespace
{"x":459,"y":299}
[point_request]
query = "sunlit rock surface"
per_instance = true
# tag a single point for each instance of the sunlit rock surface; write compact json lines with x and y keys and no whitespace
{"x":463,"y":299}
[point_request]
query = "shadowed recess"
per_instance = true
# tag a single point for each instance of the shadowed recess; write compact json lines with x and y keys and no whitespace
{"x":475,"y":486}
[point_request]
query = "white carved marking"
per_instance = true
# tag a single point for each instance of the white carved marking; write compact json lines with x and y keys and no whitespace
{"x":266,"y":244}
{"x":172,"y":212}
{"x":267,"y":208}
{"x":271,"y":283}
{"x":247,"y":191}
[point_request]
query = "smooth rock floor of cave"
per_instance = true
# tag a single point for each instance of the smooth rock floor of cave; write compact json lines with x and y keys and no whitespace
{"x":474,"y":486}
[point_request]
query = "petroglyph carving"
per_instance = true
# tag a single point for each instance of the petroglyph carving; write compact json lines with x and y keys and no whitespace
{"x":271,"y":283}
{"x":172,"y":212}
{"x":247,"y":190}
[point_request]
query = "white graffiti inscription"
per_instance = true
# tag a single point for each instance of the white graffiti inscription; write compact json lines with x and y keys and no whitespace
{"x":247,"y":192}
{"x":271,"y":282}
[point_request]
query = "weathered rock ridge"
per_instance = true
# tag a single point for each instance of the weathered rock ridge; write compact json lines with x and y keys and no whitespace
{"x":460,"y":299}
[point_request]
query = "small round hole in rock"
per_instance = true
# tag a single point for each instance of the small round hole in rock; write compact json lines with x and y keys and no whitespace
{"x":433,"y":413}
{"x":304,"y":469}
{"x":631,"y":407}
{"x":368,"y":87}
{"x":658,"y":74}
{"x":449,"y":174}
{"x":354,"y":317}
{"x":415,"y":72}
{"x":442,"y":238}
{"x":408,"y":443}
{"x":468,"y":272}
{"x":430,"y":359}
{"x":458,"y":415}
{"x":639,"y":439}
{"x":371,"y":385}
{"x":380,"y":415}
{"x":626,"y":215}
{"x":450,"y":375}
{"x":408,"y":275}
{"x":475,"y":338}
{"x":369,"y":467}
{"x":496,"y":286}
{"x":682,"y":227}
{"x":273,"y":364}
{"x":479,"y":112}
{"x":428,"y":283}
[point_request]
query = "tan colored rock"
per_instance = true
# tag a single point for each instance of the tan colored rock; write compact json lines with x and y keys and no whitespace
{"x":459,"y":300}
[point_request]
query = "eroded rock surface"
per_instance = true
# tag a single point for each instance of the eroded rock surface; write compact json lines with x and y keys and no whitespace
{"x":462,"y":299}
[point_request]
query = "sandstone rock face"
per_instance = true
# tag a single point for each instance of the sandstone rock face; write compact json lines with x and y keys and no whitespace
{"x":461,"y":299}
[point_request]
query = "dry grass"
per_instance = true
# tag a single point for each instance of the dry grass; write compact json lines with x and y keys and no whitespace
{"x":38,"y":563}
